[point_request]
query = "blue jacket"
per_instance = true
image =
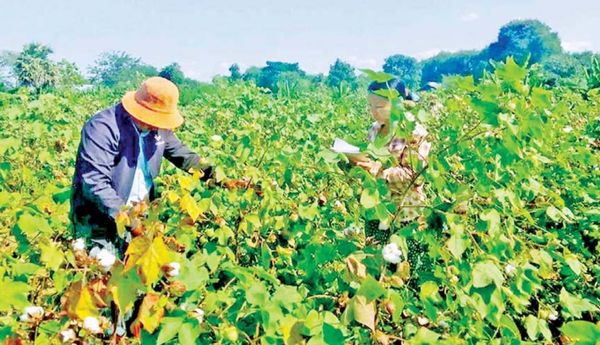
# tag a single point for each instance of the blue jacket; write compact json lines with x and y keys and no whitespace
{"x":105,"y":166}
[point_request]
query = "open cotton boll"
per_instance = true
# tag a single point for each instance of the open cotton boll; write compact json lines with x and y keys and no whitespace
{"x":392,"y":254}
{"x":78,"y":245}
{"x":32,"y":313}
{"x":173,"y":269}
{"x":198,"y":314}
{"x":409,"y":116}
{"x":105,"y":258}
{"x":92,"y":324}
{"x":420,"y":131}
{"x":67,"y":336}
{"x":216,"y":138}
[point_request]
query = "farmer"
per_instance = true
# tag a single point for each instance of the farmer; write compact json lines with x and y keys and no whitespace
{"x":120,"y":154}
{"x":410,"y":152}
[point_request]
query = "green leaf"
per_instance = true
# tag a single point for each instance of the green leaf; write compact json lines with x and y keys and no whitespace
{"x":573,"y":305}
{"x":124,"y":286}
{"x":485,"y":273}
{"x":581,"y":332}
{"x":14,"y":294}
{"x":332,"y":335}
{"x":457,"y":244}
{"x":169,"y":329}
{"x":380,"y":77}
{"x":425,"y":336}
{"x":257,"y":294}
{"x":531,"y":325}
{"x":188,"y":334}
{"x":369,"y":198}
{"x":32,"y":226}
{"x":52,"y":255}
{"x":371,"y":289}
{"x":492,"y":217}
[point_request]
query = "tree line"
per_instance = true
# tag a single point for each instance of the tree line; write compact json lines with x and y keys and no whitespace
{"x":528,"y":41}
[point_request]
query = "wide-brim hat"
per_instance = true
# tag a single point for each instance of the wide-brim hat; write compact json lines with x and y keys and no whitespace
{"x":155,"y":103}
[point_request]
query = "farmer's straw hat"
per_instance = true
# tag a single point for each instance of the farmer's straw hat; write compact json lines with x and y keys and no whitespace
{"x":155,"y":103}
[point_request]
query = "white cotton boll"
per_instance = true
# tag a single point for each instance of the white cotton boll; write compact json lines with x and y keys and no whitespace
{"x":383,"y":226}
{"x":409,"y":116}
{"x":422,"y":320}
{"x":568,"y":129}
{"x":24,"y":318}
{"x":424,"y":149}
{"x":216,"y":138}
{"x":420,"y":131}
{"x":510,"y":269}
{"x":67,"y":336}
{"x":32,"y":312}
{"x":198,"y":314}
{"x":173,"y":269}
{"x":92,"y":324}
{"x":392,"y":254}
{"x":78,"y":245}
{"x":104,"y":257}
{"x":553,"y":316}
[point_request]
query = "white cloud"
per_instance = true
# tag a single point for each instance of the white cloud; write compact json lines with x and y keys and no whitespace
{"x":470,"y":17}
{"x":577,"y":46}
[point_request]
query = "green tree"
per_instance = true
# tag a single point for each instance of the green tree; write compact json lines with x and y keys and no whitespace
{"x":173,"y":73}
{"x":235,"y":73}
{"x":269,"y":75}
{"x":404,"y":67}
{"x":113,"y":68}
{"x":525,"y":38}
{"x":460,"y":63}
{"x":252,"y":74}
{"x":341,"y":73}
{"x":69,"y":74}
{"x":33,"y":67}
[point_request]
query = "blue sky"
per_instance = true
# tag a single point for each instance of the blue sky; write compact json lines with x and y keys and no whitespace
{"x":205,"y":37}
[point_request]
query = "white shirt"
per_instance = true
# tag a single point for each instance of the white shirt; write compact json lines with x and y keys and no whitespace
{"x":142,"y":180}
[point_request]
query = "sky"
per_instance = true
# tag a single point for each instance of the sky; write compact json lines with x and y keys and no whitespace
{"x":206,"y":37}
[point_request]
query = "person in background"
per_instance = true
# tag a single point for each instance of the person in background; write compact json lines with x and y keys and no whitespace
{"x":402,"y":178}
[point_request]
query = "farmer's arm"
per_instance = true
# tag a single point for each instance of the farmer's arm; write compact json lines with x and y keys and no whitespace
{"x":99,"y":147}
{"x":181,"y":155}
